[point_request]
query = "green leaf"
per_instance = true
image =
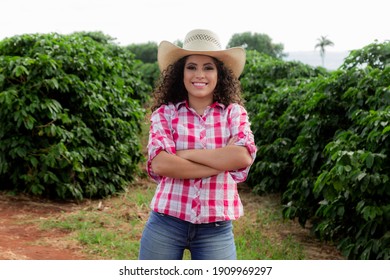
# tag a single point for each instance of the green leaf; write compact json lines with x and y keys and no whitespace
{"x":369,"y":160}
{"x":52,"y":83}
{"x":20,"y":70}
{"x":34,"y":161}
{"x":29,"y":122}
{"x":386,"y":129}
{"x":371,"y":212}
{"x":347,"y":168}
{"x":361,"y":176}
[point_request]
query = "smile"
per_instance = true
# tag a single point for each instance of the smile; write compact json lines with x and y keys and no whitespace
{"x":199,"y":84}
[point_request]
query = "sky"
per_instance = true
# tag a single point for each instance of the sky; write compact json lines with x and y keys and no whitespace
{"x":297,"y":24}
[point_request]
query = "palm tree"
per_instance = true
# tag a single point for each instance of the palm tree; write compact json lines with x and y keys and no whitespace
{"x":322,"y":43}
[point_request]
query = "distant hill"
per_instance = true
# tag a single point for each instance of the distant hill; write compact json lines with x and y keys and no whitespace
{"x":333,"y":60}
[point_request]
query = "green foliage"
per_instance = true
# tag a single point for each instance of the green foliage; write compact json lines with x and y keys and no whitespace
{"x":257,"y":42}
{"x":70,"y":113}
{"x":375,"y":55}
{"x":150,"y":72}
{"x":273,"y":86}
{"x":354,"y":184}
{"x":147,"y":53}
{"x":323,"y":142}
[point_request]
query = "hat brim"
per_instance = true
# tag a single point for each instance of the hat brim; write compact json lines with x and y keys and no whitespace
{"x":233,"y":58}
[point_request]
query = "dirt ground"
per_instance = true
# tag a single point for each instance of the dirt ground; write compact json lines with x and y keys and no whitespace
{"x":22,"y":239}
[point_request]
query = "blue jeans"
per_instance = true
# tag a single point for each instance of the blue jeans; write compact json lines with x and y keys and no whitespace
{"x":166,"y":237}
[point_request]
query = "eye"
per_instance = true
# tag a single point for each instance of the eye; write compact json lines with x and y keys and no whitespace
{"x":209,"y":67}
{"x":191,"y":67}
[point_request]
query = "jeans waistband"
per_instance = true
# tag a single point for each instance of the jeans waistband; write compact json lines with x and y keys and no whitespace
{"x":204,"y":225}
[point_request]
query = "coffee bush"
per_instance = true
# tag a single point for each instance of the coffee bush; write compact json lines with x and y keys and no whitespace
{"x":323,"y":143}
{"x":70,"y":115}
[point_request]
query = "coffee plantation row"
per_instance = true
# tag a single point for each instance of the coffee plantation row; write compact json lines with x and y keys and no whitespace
{"x":72,"y":111}
{"x":70,"y":115}
{"x":324,"y":143}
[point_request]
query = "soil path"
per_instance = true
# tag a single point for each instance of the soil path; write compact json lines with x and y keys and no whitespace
{"x":21,"y":238}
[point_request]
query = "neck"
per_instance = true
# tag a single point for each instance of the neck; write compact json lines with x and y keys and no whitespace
{"x":199,"y":105}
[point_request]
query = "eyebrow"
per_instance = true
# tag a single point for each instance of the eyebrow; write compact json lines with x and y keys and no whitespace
{"x":207,"y":63}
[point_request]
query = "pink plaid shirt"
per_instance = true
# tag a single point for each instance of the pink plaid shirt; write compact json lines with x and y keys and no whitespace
{"x":179,"y":127}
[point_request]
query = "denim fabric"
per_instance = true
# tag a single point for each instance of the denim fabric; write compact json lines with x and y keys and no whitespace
{"x":165,"y":238}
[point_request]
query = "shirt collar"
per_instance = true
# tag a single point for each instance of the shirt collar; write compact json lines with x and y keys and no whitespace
{"x":185,"y":103}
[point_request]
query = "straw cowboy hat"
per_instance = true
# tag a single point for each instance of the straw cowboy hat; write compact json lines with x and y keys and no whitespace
{"x":203,"y":42}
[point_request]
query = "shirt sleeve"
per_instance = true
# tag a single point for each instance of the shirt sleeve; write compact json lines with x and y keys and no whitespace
{"x":160,"y":136}
{"x":240,"y":129}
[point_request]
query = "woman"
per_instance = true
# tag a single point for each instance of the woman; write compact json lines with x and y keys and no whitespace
{"x":200,"y":146}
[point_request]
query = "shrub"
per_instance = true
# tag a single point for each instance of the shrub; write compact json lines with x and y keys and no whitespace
{"x":271,"y":87}
{"x":70,"y":113}
{"x":323,"y":142}
{"x":354,"y":182}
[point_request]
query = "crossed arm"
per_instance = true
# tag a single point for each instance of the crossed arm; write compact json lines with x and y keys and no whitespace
{"x":189,"y":164}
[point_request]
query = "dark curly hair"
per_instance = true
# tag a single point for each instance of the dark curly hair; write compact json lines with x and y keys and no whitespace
{"x":171,"y":89}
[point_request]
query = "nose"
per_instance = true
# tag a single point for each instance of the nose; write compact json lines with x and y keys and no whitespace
{"x":199,"y":73}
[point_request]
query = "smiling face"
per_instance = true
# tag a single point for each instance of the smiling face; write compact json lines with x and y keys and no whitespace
{"x":200,"y":80}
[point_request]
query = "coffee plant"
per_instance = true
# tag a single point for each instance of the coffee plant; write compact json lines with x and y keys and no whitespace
{"x":271,"y":87}
{"x":354,"y":182}
{"x":323,"y":143}
{"x":70,"y":115}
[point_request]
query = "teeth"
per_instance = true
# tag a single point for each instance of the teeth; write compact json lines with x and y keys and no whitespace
{"x":199,"y":84}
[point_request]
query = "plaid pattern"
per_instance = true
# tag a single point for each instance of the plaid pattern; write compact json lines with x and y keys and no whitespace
{"x":179,"y":127}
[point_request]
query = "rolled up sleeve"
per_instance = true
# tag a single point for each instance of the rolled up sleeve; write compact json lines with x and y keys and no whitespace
{"x":160,"y":137}
{"x":240,"y":129}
